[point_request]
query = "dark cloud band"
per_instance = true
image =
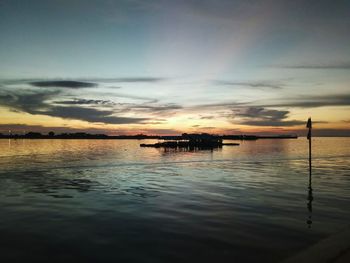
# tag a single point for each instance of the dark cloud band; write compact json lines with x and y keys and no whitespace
{"x":259,"y":116}
{"x":69,"y":84}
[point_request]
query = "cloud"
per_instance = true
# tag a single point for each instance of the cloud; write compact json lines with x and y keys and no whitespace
{"x":77,"y":101}
{"x":90,"y":115}
{"x":253,"y":112}
{"x":251,"y":84}
{"x":259,"y":116}
{"x":220,"y":105}
{"x":157,"y":108}
{"x":35,"y":102}
{"x":27,"y":101}
{"x":54,"y":103}
{"x":155,"y":121}
{"x":133,"y":79}
{"x":277,"y":123}
{"x":207,"y":117}
{"x":208,"y":128}
{"x":134,"y":97}
{"x":310,"y":101}
{"x":69,"y":84}
{"x":339,"y":65}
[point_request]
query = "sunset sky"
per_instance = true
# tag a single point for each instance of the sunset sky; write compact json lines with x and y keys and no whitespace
{"x":173,"y":66}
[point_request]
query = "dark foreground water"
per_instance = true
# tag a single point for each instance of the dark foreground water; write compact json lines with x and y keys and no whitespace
{"x":112,"y":201}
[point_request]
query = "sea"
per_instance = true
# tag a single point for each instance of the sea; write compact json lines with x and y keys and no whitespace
{"x":114,"y":201}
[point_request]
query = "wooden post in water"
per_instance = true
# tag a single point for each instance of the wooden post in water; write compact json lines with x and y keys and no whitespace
{"x":309,"y":137}
{"x":310,"y":197}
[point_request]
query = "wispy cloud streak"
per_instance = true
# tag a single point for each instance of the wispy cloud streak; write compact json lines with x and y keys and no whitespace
{"x":309,"y":101}
{"x":341,"y":65}
{"x":251,"y":84}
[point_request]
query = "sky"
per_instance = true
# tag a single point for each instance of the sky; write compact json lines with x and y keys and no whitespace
{"x":174,"y":66}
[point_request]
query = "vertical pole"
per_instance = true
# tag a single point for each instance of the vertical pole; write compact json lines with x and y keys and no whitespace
{"x":310,"y":165}
{"x":310,"y":197}
{"x":309,"y":137}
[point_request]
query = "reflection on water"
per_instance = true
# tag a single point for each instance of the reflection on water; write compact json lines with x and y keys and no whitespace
{"x":45,"y":183}
{"x":310,"y":198}
{"x":114,"y":201}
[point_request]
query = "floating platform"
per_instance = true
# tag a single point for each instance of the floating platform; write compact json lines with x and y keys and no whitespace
{"x":192,"y":141}
{"x":187,"y":145}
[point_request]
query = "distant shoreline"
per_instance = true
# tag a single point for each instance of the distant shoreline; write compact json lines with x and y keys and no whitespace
{"x":87,"y":136}
{"x":113,"y":138}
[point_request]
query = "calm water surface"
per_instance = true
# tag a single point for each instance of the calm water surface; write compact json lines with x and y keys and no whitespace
{"x":112,"y":201}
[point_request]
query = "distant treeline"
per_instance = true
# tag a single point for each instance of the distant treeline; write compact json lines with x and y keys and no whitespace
{"x":83,"y":135}
{"x":77,"y":135}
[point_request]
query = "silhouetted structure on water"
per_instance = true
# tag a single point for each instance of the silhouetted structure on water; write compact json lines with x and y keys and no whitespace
{"x":191,"y":141}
